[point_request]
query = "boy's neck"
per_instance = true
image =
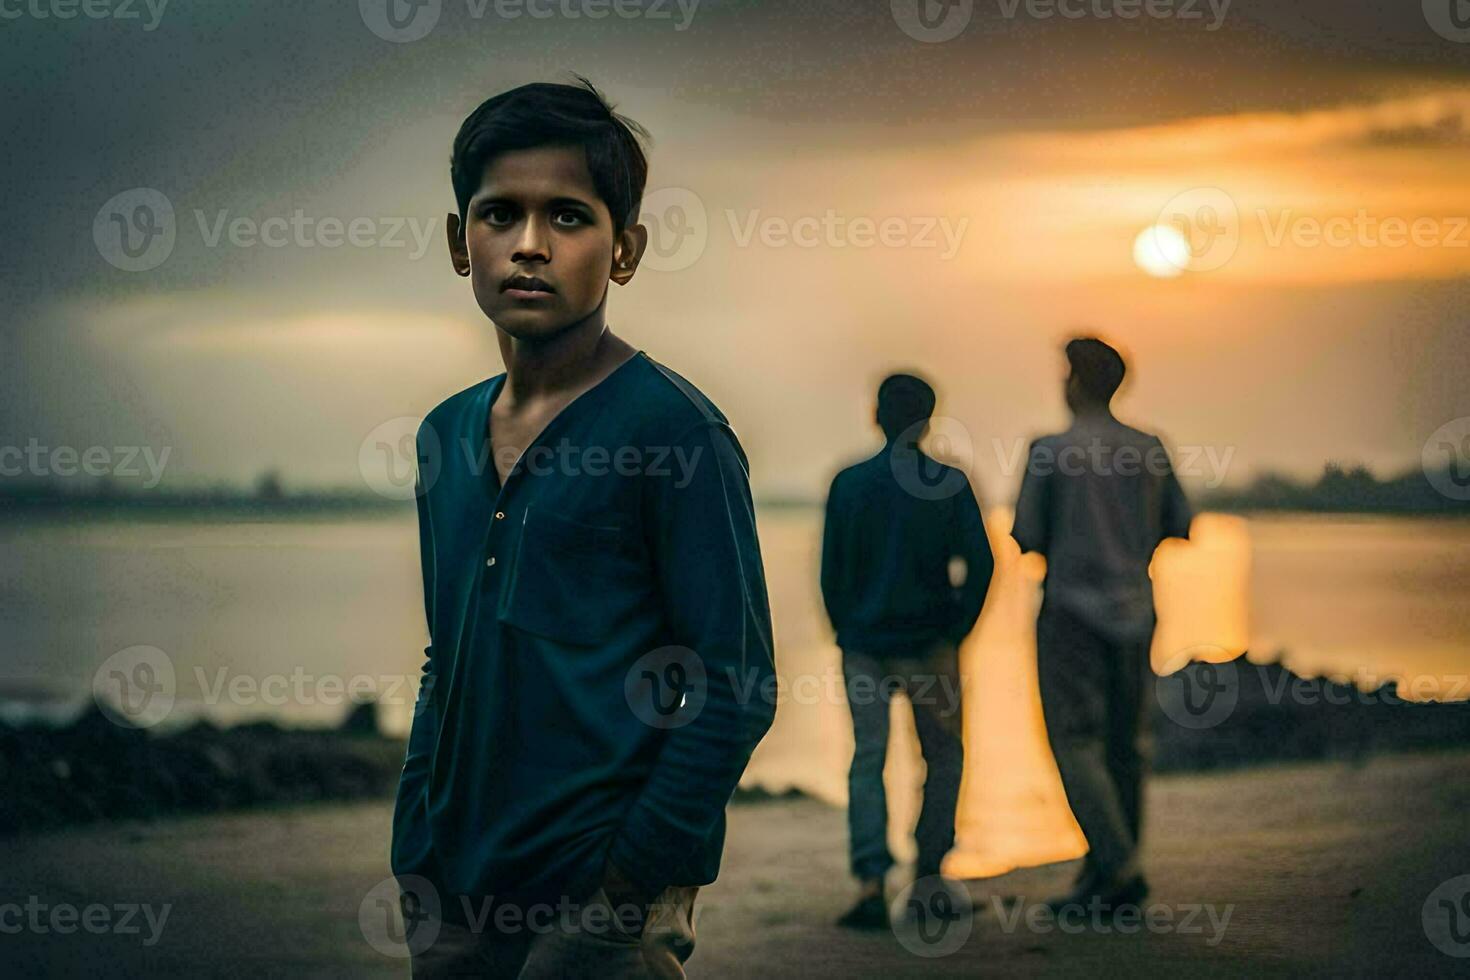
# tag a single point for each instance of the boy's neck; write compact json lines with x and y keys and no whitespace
{"x":571,"y":359}
{"x":1092,"y":413}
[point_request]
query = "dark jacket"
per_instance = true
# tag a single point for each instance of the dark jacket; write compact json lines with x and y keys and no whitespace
{"x":893,"y":524}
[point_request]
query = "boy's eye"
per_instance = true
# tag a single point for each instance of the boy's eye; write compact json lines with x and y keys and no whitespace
{"x":497,"y":214}
{"x":569,"y":218}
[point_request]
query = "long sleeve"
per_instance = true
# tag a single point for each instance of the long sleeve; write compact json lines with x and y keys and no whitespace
{"x":1176,"y":514}
{"x":836,"y":564}
{"x":410,"y":836}
{"x":421,"y":734}
{"x":971,"y":544}
{"x":702,"y":536}
{"x":1032,"y":527}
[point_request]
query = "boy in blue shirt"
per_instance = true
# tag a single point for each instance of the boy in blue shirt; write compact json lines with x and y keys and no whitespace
{"x":600,"y":660}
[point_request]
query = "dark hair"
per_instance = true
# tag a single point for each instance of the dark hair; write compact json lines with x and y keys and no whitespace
{"x":904,"y":400}
{"x":547,"y":113}
{"x":1098,"y":368}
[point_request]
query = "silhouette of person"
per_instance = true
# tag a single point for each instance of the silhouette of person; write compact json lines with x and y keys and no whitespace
{"x":894,"y":524}
{"x":1096,"y":500}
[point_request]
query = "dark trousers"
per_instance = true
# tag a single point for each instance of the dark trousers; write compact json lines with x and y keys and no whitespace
{"x":1095,"y":697}
{"x":930,"y":679}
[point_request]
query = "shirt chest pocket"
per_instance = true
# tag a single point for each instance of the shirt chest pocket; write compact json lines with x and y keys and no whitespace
{"x":572,"y":581}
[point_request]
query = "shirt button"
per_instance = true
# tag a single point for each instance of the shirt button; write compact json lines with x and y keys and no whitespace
{"x":500,"y":515}
{"x":490,"y":563}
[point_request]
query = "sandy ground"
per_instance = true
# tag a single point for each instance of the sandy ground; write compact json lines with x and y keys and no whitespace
{"x":1320,"y":869}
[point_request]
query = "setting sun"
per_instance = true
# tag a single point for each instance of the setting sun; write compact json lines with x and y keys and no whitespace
{"x":1161,"y":251}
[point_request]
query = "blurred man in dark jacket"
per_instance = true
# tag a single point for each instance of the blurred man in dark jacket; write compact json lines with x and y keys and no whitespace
{"x":895,"y":525}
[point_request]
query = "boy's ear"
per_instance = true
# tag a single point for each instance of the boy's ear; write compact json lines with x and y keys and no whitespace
{"x":459,"y":253}
{"x":628,"y":250}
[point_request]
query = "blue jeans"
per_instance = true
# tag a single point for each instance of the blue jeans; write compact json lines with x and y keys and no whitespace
{"x":930,"y":679}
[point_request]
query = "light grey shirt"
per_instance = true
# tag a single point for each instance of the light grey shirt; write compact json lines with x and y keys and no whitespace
{"x":1096,"y":500}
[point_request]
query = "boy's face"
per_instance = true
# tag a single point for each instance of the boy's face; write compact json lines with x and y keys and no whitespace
{"x":538,"y":242}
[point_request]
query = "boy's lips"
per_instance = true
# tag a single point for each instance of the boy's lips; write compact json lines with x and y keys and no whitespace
{"x":527,"y":287}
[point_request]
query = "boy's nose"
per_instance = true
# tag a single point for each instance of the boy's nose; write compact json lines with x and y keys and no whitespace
{"x":534,"y":242}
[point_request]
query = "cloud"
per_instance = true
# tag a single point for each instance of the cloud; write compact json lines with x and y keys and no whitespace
{"x":1426,"y":120}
